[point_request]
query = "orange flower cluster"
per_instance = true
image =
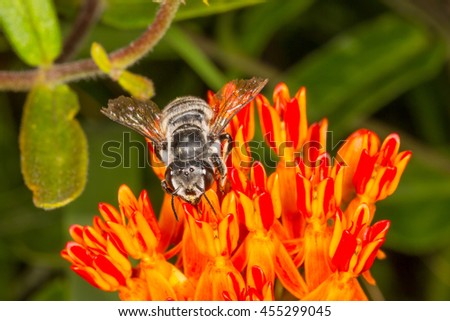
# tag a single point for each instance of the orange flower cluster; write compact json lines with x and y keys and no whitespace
{"x":308,"y":225}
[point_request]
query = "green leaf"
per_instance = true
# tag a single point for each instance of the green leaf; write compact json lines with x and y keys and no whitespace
{"x":416,"y":70}
{"x":195,"y":9}
{"x":266,"y":20}
{"x":429,"y":111}
{"x":138,"y":14}
{"x":32,"y":28}
{"x":137,"y":85}
{"x":53,"y":147}
{"x":129,"y":14}
{"x":438,"y":287}
{"x":100,"y":57}
{"x":198,"y":61}
{"x":374,"y":62}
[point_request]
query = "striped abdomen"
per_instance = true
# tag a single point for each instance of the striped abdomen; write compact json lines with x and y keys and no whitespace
{"x":186,"y":123}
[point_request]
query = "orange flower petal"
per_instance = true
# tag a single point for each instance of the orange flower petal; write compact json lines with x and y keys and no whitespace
{"x":304,"y":197}
{"x":258,"y":177}
{"x":270,"y":124}
{"x":251,"y":219}
{"x":147,"y":211}
{"x":144,"y":234}
{"x":264,"y":206}
{"x":109,"y":271}
{"x":93,"y":277}
{"x":287,"y":272}
{"x":93,"y":239}
{"x":337,"y":288}
{"x":401,"y":161}
{"x":261,"y":253}
{"x":215,"y":281}
{"x":280,"y":97}
{"x":109,"y":213}
{"x":273,"y":186}
{"x":130,"y":246}
{"x":77,"y":254}
{"x":203,"y":236}
{"x":171,"y":230}
{"x":300,"y":96}
{"x":159,"y":287}
{"x":76,"y":232}
{"x":127,"y":201}
{"x":228,"y":235}
{"x":241,"y":154}
{"x":240,"y":257}
{"x":118,"y":256}
{"x":238,"y":181}
{"x":317,"y":265}
{"x":136,"y":290}
{"x":193,"y":261}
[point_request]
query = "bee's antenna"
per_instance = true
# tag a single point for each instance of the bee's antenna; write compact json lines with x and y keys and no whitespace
{"x":173,"y":207}
{"x":173,"y":203}
{"x":210,"y":204}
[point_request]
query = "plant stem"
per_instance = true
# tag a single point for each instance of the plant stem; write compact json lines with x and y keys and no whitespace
{"x":73,"y":71}
{"x":89,"y":14}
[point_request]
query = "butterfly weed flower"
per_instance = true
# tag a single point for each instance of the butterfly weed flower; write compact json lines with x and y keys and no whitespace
{"x":318,"y":201}
{"x":216,"y":238}
{"x":259,"y":199}
{"x":103,"y":253}
{"x":285,"y":129}
{"x":353,"y":249}
{"x":374,"y":169}
{"x":310,"y":225}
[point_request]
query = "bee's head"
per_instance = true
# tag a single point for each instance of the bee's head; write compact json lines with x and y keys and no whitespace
{"x":189,"y":179}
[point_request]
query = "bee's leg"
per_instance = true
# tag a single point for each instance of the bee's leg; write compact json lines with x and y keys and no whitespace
{"x":173,"y":207}
{"x":166,"y":187}
{"x":228,"y":145}
{"x":170,"y":191}
{"x":219,"y":163}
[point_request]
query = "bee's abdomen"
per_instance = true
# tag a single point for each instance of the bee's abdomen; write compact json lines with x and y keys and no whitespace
{"x":186,"y":111}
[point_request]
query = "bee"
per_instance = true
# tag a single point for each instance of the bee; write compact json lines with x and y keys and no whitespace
{"x":188,"y":135}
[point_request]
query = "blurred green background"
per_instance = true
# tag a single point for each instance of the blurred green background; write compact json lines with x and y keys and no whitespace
{"x":381,"y":65}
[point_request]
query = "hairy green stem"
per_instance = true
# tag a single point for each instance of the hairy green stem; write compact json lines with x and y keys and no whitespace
{"x":73,"y":71}
{"x":89,"y":14}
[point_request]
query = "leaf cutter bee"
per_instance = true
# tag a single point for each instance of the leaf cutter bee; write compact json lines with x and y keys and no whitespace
{"x":187,"y":134}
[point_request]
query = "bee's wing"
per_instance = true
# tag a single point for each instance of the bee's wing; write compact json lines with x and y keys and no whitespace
{"x":229,"y":100}
{"x":141,"y":116}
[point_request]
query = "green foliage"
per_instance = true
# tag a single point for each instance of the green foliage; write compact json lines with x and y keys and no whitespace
{"x":53,"y":146}
{"x":138,"y":14}
{"x":136,"y":85}
{"x":32,"y":29}
{"x":363,"y":69}
{"x":258,"y":31}
{"x":188,"y":51}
